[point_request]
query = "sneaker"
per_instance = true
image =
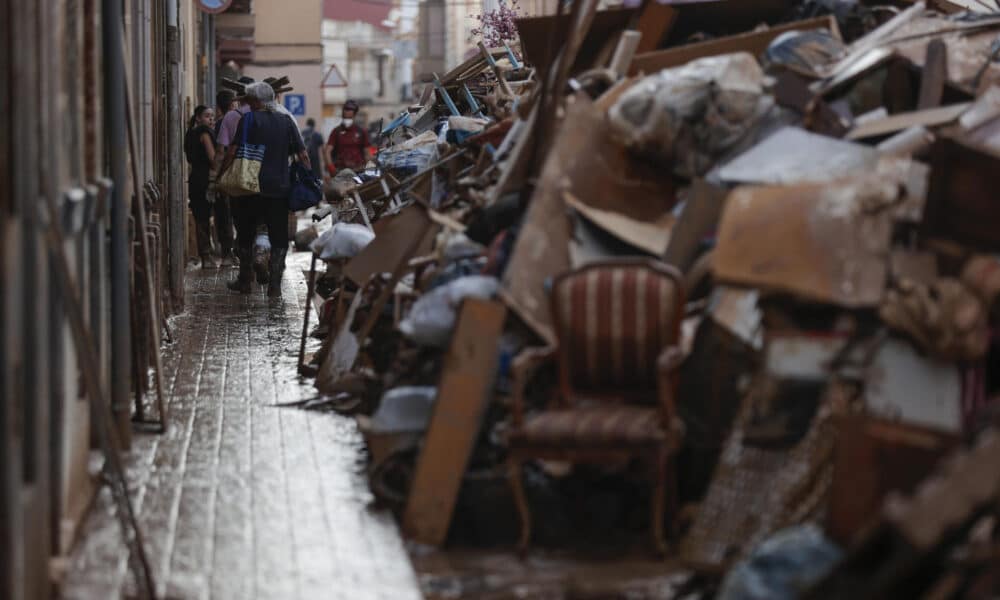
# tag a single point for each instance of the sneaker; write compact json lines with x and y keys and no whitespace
{"x":228,"y":260}
{"x":207,"y":262}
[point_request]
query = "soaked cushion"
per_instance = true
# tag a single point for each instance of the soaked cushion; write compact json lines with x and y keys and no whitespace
{"x":614,"y":321}
{"x":592,"y":425}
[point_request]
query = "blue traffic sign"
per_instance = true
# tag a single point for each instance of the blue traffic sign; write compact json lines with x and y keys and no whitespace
{"x":296,"y":104}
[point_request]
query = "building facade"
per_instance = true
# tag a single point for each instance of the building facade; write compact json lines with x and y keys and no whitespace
{"x":92,"y":228}
{"x":368,"y":51}
{"x":287,"y":41}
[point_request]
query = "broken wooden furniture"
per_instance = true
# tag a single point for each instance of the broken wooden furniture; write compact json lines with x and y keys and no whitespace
{"x":618,"y":328}
{"x":924,"y":546}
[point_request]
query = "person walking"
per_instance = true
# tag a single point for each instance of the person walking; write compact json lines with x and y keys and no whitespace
{"x":225,"y":136}
{"x":348,"y":145}
{"x":279,"y":136}
{"x":225,"y":102}
{"x":314,"y":145}
{"x":199,"y":149}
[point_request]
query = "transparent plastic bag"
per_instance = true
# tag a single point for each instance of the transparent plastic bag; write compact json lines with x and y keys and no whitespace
{"x":688,"y":116}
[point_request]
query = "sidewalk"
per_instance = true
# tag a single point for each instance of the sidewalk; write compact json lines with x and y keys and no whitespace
{"x":241,"y":499}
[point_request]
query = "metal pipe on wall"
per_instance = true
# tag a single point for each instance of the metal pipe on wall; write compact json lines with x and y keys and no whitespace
{"x":212,"y":79}
{"x":114,"y":125}
{"x":175,"y":169}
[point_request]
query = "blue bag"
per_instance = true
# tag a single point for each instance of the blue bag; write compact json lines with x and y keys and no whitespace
{"x":307,"y":189}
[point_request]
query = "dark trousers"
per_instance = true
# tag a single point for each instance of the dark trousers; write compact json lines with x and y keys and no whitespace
{"x":254,"y":211}
{"x":203,"y":211}
{"x":224,"y":223}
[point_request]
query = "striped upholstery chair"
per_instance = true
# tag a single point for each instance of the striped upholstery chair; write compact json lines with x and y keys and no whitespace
{"x":618,"y":326}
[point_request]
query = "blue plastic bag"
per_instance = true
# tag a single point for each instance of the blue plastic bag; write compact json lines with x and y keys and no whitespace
{"x":307,"y":189}
{"x":782,"y":567}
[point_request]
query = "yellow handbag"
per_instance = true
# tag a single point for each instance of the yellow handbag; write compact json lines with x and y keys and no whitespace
{"x":242,"y":178}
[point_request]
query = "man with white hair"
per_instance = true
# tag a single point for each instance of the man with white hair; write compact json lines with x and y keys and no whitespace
{"x":266,"y":125}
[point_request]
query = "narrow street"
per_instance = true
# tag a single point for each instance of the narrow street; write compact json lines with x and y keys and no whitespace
{"x":241,"y":498}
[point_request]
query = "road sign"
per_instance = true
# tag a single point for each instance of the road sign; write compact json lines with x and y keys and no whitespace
{"x":296,"y":104}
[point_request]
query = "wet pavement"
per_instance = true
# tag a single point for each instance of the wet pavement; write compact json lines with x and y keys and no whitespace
{"x":241,"y":498}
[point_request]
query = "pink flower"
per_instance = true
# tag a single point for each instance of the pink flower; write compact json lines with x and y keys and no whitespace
{"x":497,"y":27}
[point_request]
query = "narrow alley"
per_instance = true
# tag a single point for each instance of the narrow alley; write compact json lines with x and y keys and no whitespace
{"x":243,"y":498}
{"x":499,"y":300}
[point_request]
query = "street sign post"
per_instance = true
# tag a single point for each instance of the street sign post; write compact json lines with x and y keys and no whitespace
{"x":296,"y":104}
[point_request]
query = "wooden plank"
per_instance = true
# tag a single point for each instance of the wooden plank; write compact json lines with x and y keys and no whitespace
{"x":463,"y":395}
{"x":699,"y":218}
{"x":873,"y":458}
{"x":781,"y":238}
{"x":960,"y":203}
{"x":931,"y":117}
{"x":536,"y":33}
{"x":654,"y":23}
{"x":392,"y":244}
{"x":586,"y":161}
{"x":935,"y":75}
{"x":753,"y":42}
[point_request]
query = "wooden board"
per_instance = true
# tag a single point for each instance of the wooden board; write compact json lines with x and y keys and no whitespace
{"x":392,"y":244}
{"x":931,"y":117}
{"x":463,"y":395}
{"x":873,"y":458}
{"x":699,"y":218}
{"x":934,"y":76}
{"x":654,"y":24}
{"x":536,"y":33}
{"x":585,"y":161}
{"x":811,"y":240}
{"x":753,"y":42}
{"x":960,"y":202}
{"x":649,"y":235}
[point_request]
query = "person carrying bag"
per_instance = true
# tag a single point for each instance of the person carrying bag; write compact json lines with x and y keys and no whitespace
{"x":242,"y":177}
{"x":256,"y":174}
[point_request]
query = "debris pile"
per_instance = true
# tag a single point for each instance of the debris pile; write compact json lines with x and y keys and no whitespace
{"x":745,"y":278}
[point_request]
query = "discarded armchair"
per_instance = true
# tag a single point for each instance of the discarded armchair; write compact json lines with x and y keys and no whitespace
{"x":618,"y":329}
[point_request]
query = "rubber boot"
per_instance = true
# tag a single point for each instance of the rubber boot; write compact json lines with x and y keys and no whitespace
{"x":203,"y":236}
{"x":242,"y":282}
{"x":277,"y":270}
{"x":261,"y":265}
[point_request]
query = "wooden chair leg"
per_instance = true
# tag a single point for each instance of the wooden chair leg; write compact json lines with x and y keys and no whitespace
{"x":521,"y":500}
{"x":658,"y":504}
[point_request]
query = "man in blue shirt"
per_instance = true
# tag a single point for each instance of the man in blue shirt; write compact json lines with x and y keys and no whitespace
{"x":280,"y":137}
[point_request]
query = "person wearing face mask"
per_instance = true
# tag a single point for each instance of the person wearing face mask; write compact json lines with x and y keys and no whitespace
{"x":348,"y":145}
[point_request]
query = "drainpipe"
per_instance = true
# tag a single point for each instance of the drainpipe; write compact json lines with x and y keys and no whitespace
{"x":175,"y":172}
{"x":209,"y":50}
{"x":114,"y":108}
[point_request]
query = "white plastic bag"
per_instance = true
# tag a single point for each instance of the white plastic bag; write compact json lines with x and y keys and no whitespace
{"x":343,"y":240}
{"x":459,"y":246}
{"x":433,"y":316}
{"x":404,"y":409}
